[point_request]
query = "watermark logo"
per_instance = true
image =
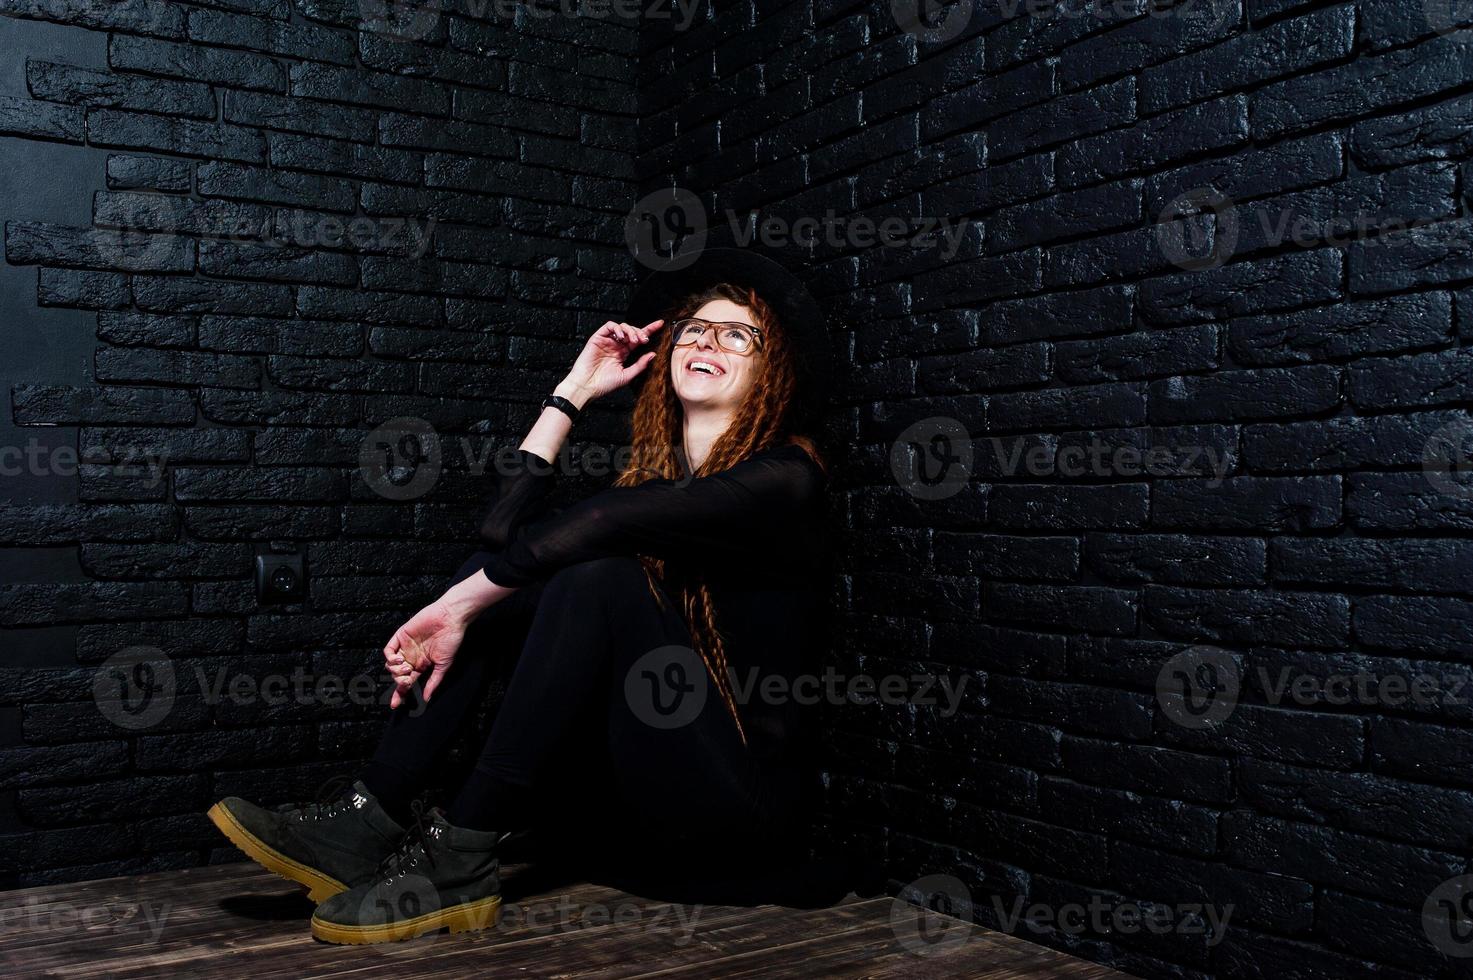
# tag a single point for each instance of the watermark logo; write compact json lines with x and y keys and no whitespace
{"x":402,"y":20}
{"x":404,"y":458}
{"x":1447,"y":459}
{"x":1199,"y":687}
{"x":1183,"y":236}
{"x":1447,"y":916}
{"x":667,"y":229}
{"x":666,"y":688}
{"x":931,"y":22}
{"x":135,"y":688}
{"x":932,"y":915}
{"x":401,"y":459}
{"x":932,"y":458}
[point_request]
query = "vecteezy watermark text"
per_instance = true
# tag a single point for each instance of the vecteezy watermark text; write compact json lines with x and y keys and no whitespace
{"x":404,"y":458}
{"x":35,"y":459}
{"x":935,"y":458}
{"x":1201,"y":686}
{"x":668,"y":687}
{"x":668,"y":229}
{"x":137,"y":688}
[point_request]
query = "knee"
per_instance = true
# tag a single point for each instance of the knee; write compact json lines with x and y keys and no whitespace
{"x":599,"y":577}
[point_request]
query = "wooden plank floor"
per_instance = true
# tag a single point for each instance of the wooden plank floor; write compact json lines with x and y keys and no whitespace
{"x":238,"y":920}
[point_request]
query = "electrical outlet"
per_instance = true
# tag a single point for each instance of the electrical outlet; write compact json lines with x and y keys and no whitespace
{"x":280,"y":578}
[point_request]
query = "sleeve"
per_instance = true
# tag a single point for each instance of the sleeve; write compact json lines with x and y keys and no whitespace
{"x":744,"y":511}
{"x":524,"y":480}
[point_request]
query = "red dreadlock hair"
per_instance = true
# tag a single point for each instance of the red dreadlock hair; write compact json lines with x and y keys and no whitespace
{"x":762,"y":420}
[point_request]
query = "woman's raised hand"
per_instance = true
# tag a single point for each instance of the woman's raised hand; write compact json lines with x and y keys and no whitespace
{"x":600,"y":366}
{"x":428,"y":642}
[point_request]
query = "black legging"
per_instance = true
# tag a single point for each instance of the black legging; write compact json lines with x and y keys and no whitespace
{"x":589,"y":624}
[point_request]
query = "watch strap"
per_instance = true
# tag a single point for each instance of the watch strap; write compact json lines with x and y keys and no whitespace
{"x":561,"y":404}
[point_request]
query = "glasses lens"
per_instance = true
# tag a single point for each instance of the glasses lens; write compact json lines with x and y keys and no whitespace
{"x":735,"y":338}
{"x":686,"y":331}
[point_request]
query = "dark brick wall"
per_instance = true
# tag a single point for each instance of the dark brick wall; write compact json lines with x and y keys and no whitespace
{"x":208,"y":265}
{"x":1203,"y":326}
{"x":1236,"y":232}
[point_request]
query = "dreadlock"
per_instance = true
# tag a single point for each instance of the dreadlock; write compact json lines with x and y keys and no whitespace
{"x":761,"y":421}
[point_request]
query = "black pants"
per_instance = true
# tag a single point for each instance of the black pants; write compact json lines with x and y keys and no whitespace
{"x":585,"y":721}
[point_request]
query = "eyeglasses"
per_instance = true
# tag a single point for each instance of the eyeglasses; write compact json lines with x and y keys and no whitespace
{"x":739,"y":338}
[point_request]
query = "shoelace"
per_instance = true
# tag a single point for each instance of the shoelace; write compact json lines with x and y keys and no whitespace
{"x":399,"y":861}
{"x":327,"y":800}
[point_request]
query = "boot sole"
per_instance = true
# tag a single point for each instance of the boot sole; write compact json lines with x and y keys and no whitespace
{"x":466,"y":917}
{"x":320,"y":887}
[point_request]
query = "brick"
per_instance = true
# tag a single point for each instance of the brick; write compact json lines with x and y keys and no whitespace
{"x":188,"y":137}
{"x":138,"y":17}
{"x":1242,"y":616}
{"x":1155,"y":142}
{"x":37,"y":120}
{"x":1063,"y":118}
{"x":237,"y":69}
{"x":61,"y":405}
{"x":89,"y":248}
{"x":1437,"y":627}
{"x":1371,"y":82}
{"x":357,"y":87}
{"x":1404,"y":502}
{"x":1244,"y":395}
{"x":1247,"y":503}
{"x":1242,"y":288}
{"x":1286,"y":48}
{"x":128,"y":173}
{"x":1346,"y":443}
{"x":271,"y":37}
{"x":1443,"y":131}
{"x":176,"y":368}
{"x":1443,"y":378}
{"x":83,"y":290}
{"x":100,"y":89}
{"x":1177,"y":559}
{"x":1391,"y":325}
{"x":38,"y":605}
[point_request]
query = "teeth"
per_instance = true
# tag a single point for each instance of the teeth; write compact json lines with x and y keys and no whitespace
{"x":703,"y":367}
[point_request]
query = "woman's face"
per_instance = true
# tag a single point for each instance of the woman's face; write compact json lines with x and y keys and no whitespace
{"x":734,"y":374}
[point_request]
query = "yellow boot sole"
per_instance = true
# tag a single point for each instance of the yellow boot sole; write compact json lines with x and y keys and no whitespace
{"x":466,"y":917}
{"x":320,"y":887}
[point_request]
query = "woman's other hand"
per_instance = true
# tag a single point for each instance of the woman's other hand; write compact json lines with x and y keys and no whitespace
{"x":432,"y":637}
{"x":600,"y":367}
{"x":427,"y":643}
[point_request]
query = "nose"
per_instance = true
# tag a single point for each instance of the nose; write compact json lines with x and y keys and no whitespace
{"x":707,"y":339}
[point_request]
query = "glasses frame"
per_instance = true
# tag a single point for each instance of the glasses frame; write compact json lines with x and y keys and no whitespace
{"x":679,"y":328}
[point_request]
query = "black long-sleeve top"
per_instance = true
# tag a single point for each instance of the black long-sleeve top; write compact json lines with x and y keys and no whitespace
{"x":755,"y":531}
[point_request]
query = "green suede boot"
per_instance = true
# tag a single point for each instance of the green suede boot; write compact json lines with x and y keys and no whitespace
{"x":440,"y":876}
{"x":329,"y":846}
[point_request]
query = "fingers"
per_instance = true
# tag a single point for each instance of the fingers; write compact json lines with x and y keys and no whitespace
{"x":637,"y":368}
{"x":628,"y":334}
{"x":434,"y":681}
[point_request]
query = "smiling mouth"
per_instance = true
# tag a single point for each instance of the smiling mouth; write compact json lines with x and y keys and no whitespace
{"x":705,"y":368}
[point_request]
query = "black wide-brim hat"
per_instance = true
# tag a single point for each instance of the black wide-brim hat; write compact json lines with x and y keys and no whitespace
{"x":799,"y":315}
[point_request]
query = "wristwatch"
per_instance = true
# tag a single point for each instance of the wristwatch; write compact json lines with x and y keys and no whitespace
{"x":561,"y":404}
